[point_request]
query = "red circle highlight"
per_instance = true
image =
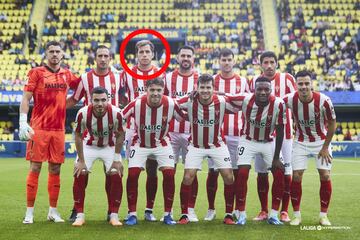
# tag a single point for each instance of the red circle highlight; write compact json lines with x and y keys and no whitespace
{"x":164,"y":42}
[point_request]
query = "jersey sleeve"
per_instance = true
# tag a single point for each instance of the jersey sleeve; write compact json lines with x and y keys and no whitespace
{"x":128,"y":110}
{"x":120,"y":122}
{"x":72,"y":80}
{"x":31,"y":81}
{"x":328,"y":109}
{"x":80,"y":122}
{"x":290,"y":83}
{"x":167,"y":84}
{"x":79,"y":91}
{"x":281,"y":117}
{"x":179,"y":115}
{"x":234,"y":102}
{"x":183,"y":102}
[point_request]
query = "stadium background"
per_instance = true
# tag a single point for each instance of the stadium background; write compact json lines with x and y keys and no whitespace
{"x":320,"y":35}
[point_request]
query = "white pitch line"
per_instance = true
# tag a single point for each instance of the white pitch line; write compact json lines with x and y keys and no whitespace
{"x":346,"y":161}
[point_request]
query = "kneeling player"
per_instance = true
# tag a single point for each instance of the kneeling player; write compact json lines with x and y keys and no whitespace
{"x":102,"y":121}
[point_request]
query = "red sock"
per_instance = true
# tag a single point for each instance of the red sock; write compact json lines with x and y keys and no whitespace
{"x":108,"y":189}
{"x":31,"y":188}
{"x":116,"y":192}
{"x":229,"y":197}
{"x":325,"y":195}
{"x":53,"y":189}
{"x":241,"y":188}
{"x":277,"y":189}
{"x":286,"y":195}
{"x":151,"y":189}
{"x":211,"y":187}
{"x":168,"y":188}
{"x":263,"y":190}
{"x":132,"y":188}
{"x":79,"y":187}
{"x":235,"y":173}
{"x":296,"y":192}
{"x":194,"y":192}
{"x":185,"y":192}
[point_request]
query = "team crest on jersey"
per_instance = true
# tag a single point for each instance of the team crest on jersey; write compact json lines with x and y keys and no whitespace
{"x":238,"y":88}
{"x":164,"y":118}
{"x":269,"y":117}
{"x":64,"y":77}
{"x":277,"y":88}
{"x":111,"y":126}
{"x":317,"y":114}
{"x":113,"y":86}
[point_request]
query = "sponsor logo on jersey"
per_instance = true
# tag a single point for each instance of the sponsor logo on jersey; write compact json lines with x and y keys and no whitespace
{"x":56,"y":86}
{"x":206,"y":122}
{"x":179,"y":94}
{"x":100,"y":134}
{"x":152,"y":128}
{"x":307,"y":123}
{"x":259,"y":124}
{"x":139,"y":89}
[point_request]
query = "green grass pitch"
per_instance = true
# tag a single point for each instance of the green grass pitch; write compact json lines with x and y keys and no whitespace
{"x":344,"y":208}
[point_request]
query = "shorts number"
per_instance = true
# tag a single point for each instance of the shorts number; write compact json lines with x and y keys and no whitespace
{"x":132,"y":153}
{"x":241,"y":151}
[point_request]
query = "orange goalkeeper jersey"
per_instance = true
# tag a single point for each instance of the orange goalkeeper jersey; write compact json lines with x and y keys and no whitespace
{"x":49,"y":90}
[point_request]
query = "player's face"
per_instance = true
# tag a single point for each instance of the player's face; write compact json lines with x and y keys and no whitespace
{"x":304,"y":86}
{"x":205,"y":91}
{"x":269,"y":66}
{"x":145,"y":55}
{"x":154,"y":94}
{"x":99,"y":102}
{"x":185,"y":59}
{"x":54,"y":54}
{"x":102,"y":58}
{"x":227,"y":63}
{"x":262,"y":92}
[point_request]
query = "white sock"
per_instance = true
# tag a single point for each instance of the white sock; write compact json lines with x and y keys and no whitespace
{"x":133,"y":214}
{"x":323,"y":214}
{"x":148,"y":209}
{"x":242,"y":213}
{"x":274,"y":213}
{"x":166,"y":213}
{"x":297,"y":214}
{"x":113,"y":215}
{"x":80,"y":215}
{"x":191,"y":210}
{"x":30,"y":211}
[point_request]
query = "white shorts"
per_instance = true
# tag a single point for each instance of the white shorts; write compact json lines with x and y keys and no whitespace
{"x":179,"y":143}
{"x":162,"y":154}
{"x":303,"y":150}
{"x":129,"y":134}
{"x":220,"y":156}
{"x":232,"y":143}
{"x":285,"y":157}
{"x":261,"y":152}
{"x":93,"y":153}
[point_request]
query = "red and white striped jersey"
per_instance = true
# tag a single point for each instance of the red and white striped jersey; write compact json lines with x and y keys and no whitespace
{"x":111,"y":82}
{"x":152,"y":123}
{"x":206,"y":120}
{"x":234,"y":85}
{"x":135,"y":87}
{"x":281,"y":84}
{"x":259,"y":122}
{"x":177,"y":86}
{"x":310,"y":118}
{"x":100,"y":129}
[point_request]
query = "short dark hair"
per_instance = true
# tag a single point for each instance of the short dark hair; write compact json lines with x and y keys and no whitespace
{"x":157,"y":81}
{"x":205,"y":78}
{"x":99,"y":90}
{"x":226,"y":52}
{"x":101,"y":47}
{"x":52,"y":43}
{"x":269,"y":54}
{"x":186,"y":47}
{"x":303,"y":73}
{"x":262,"y":79}
{"x":142,"y":43}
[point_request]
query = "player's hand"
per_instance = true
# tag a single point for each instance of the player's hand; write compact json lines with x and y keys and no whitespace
{"x":25,"y":131}
{"x":193,"y":94}
{"x":277,"y":164}
{"x":324,"y":155}
{"x":117,"y":167}
{"x":79,"y":168}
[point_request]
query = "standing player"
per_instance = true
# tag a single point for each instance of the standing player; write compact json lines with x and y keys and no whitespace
{"x":134,"y":88}
{"x":315,"y":122}
{"x":105,"y":135}
{"x":206,"y":115}
{"x":227,"y":82}
{"x":101,"y":76}
{"x":281,"y":84}
{"x":179,"y":83}
{"x":152,"y":113}
{"x":263,"y":113}
{"x":48,"y":86}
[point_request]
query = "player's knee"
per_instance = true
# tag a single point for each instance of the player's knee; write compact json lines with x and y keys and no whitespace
{"x":297,"y":176}
{"x":151,"y":168}
{"x":188,"y":178}
{"x":35,"y":167}
{"x":54,"y":168}
{"x":324,"y":175}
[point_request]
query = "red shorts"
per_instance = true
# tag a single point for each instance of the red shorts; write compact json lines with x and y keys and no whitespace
{"x":46,"y":146}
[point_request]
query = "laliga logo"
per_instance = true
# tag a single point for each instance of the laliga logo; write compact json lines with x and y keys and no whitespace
{"x":126,"y":41}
